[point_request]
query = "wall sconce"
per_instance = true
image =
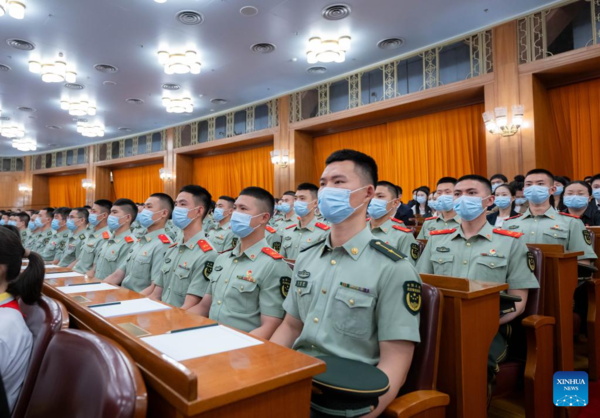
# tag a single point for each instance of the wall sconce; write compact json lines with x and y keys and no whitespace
{"x":280,"y":158}
{"x":87,"y":184}
{"x":165,"y":174}
{"x":24,"y":188}
{"x":499,"y":124}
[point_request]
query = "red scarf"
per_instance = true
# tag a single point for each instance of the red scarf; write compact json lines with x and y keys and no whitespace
{"x":14,"y":305}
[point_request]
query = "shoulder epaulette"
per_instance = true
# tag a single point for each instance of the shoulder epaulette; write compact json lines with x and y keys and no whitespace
{"x":204,"y":245}
{"x":164,"y":239}
{"x":514,"y":217}
{"x":291,"y":226}
{"x":105,"y":235}
{"x":314,"y":245}
{"x":82,"y":236}
{"x":322,"y":226}
{"x":387,"y":250}
{"x":513,"y":234}
{"x":174,"y":245}
{"x":270,"y":229}
{"x":272,"y":253}
{"x":397,"y":221}
{"x":568,"y":214}
{"x":443,"y":231}
{"x":128,"y":239}
{"x":400,"y":228}
{"x":431,"y":219}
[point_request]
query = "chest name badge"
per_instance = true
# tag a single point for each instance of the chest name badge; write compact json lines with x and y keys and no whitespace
{"x":513,"y":227}
{"x":303,"y":274}
{"x":302,"y":284}
{"x":218,"y":268}
{"x":442,"y":250}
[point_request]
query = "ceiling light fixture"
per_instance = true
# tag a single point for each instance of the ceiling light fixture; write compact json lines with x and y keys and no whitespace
{"x":12,"y":132}
{"x":87,"y":184}
{"x":496,"y":123}
{"x":53,"y":72}
{"x":90,"y":130}
{"x":181,"y":105}
{"x":179,"y":63}
{"x":160,"y":1}
{"x":328,"y":50}
{"x":15,"y":9}
{"x":81,"y":108}
{"x":24,"y":144}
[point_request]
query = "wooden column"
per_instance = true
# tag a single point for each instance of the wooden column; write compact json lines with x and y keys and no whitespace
{"x":282,"y":141}
{"x":90,"y":194}
{"x":169,"y":164}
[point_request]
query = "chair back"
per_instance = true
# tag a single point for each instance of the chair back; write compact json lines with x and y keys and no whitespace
{"x":89,"y":376}
{"x":535,"y":302}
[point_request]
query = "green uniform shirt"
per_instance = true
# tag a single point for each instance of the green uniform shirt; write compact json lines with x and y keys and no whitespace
{"x":488,"y":257}
{"x":55,"y":246}
{"x":352,"y":297}
{"x":173,"y":232}
{"x":143,"y":264}
{"x":273,"y":238}
{"x":112,"y":254}
{"x":43,"y":239}
{"x":394,"y":233}
{"x":208,"y":223}
{"x":25,"y":235}
{"x":221,"y":236}
{"x":32,"y":240}
{"x":90,"y":248}
{"x":285,"y":223}
{"x":248,"y":285}
{"x":186,"y":264}
{"x":554,"y":228}
{"x":436,"y":223}
{"x":296,"y":238}
{"x":73,"y":248}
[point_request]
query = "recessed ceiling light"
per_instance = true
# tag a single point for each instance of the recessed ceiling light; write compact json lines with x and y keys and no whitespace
{"x":26,"y":109}
{"x":135,"y":101}
{"x":109,"y":83}
{"x":316,"y":70}
{"x":53,"y":127}
{"x":4,"y":67}
{"x":201,"y":95}
{"x":336,"y":11}
{"x":249,"y":11}
{"x":170,"y":86}
{"x":125,"y":129}
{"x":294,"y":59}
{"x":74,"y":86}
{"x":106,"y":68}
{"x":218,"y":101}
{"x":390,"y":43}
{"x":263,"y":48}
{"x":190,"y":17}
{"x":21,"y":44}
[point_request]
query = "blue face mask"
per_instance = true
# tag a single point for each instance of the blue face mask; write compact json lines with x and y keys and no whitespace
{"x":278,"y":208}
{"x":38,"y":222}
{"x":55,"y":224}
{"x":537,"y":194}
{"x":445,"y":203}
{"x":2,"y":222}
{"x":32,"y":226}
{"x":378,"y":208}
{"x":520,"y":201}
{"x":218,"y":214}
{"x":145,"y":218}
{"x":285,"y":208}
{"x":421,"y":199}
{"x":495,"y":186}
{"x":93,"y":219}
{"x":502,"y":202}
{"x":335,"y":205}
{"x":301,"y":208}
{"x":71,"y":225}
{"x":596,"y":194}
{"x":575,"y":202}
{"x":13,"y":223}
{"x":468,"y":207}
{"x":433,"y":204}
{"x":559,"y":190}
{"x":113,"y":222}
{"x":240,"y":224}
{"x":180,"y":217}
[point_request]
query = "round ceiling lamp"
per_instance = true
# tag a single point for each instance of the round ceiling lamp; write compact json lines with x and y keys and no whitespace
{"x":90,"y":130}
{"x":53,"y":72}
{"x":182,"y":105}
{"x":12,"y":132}
{"x":81,"y":108}
{"x":15,"y":9}
{"x":24,"y":144}
{"x":179,"y":63}
{"x":327,"y":50}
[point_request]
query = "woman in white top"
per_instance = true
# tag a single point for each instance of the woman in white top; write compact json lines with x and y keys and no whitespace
{"x":15,"y":338}
{"x":505,"y":201}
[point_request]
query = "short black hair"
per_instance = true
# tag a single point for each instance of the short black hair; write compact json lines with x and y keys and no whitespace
{"x":49,"y":212}
{"x":541,"y":171}
{"x":83,"y":213}
{"x":365,"y":165}
{"x":63,"y":212}
{"x":509,"y":187}
{"x":201,"y":196}
{"x":517,"y":186}
{"x":262,"y":195}
{"x":562,"y":180}
{"x":312,"y":188}
{"x":478,"y":178}
{"x":390,"y":186}
{"x":289,"y":193}
{"x":104,"y":204}
{"x":499,"y":176}
{"x":23,"y":217}
{"x":589,"y":177}
{"x":447,"y":180}
{"x":165,"y":200}
{"x":520,"y":178}
{"x":425,"y":189}
{"x":88,"y":207}
{"x":583,"y":183}
{"x":227,"y":199}
{"x":399,"y":189}
{"x":595,"y":177}
{"x":128,"y":206}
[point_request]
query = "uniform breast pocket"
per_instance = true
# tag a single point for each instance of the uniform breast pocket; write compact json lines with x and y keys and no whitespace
{"x":182,"y":277}
{"x":491,"y":269}
{"x":556,"y":237}
{"x":70,"y":249}
{"x":242,"y":297}
{"x":142,"y":266}
{"x":353,"y":313}
{"x":442,"y":264}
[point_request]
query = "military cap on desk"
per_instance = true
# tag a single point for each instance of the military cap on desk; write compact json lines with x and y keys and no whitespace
{"x":348,"y":388}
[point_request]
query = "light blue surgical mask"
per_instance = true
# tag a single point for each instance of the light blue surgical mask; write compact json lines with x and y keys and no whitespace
{"x":93,"y":219}
{"x":113,"y":222}
{"x":55,"y":224}
{"x":596,"y":194}
{"x":445,"y":203}
{"x":421,"y":199}
{"x":180,"y":217}
{"x":334,"y":203}
{"x":71,"y":225}
{"x":38,"y":222}
{"x":559,"y":190}
{"x":536,"y":194}
{"x":32,"y":226}
{"x":469,"y":207}
{"x":433,"y":204}
{"x":377,"y":209}
{"x":286,"y":208}
{"x":240,"y":224}
{"x":218,"y":214}
{"x":145,"y":218}
{"x":2,"y":222}
{"x":301,"y":208}
{"x":520,"y":201}
{"x":495,"y":186}
{"x":12,"y":223}
{"x":278,"y":208}
{"x":575,"y":202}
{"x":502,"y":202}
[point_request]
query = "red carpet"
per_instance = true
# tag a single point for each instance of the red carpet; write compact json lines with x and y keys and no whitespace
{"x":593,"y":409}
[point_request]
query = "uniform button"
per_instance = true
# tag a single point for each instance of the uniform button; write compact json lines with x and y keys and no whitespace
{"x":532,"y":233}
{"x":535,"y":220}
{"x":324,"y":291}
{"x":492,"y":264}
{"x":316,"y":320}
{"x":554,"y":234}
{"x":468,"y":244}
{"x":333,"y":262}
{"x":235,"y":261}
{"x":313,"y":347}
{"x":351,"y":301}
{"x":440,"y":260}
{"x":241,"y":287}
{"x":218,"y":302}
{"x":464,"y":261}
{"x":226,"y":281}
{"x":296,"y":246}
{"x":299,"y":291}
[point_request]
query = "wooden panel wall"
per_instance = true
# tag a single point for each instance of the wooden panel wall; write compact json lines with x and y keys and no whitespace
{"x":9,"y":185}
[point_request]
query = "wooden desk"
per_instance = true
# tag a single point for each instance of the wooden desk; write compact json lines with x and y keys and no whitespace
{"x":471,"y":320}
{"x":259,"y":381}
{"x":593,"y":313}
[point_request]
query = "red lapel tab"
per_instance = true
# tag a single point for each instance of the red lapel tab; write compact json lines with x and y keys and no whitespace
{"x":513,"y":234}
{"x":270,"y":229}
{"x":272,"y":253}
{"x":443,"y":231}
{"x":105,"y":235}
{"x":515,"y":217}
{"x":431,"y":219}
{"x":204,"y":246}
{"x":128,"y":239}
{"x":174,"y":245}
{"x":398,"y":221}
{"x":399,"y":228}
{"x":291,"y":226}
{"x":568,"y":214}
{"x":322,"y":226}
{"x":164,"y":239}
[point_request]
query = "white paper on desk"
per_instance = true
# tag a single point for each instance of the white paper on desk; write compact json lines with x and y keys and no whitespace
{"x":66,"y":274}
{"x":130,"y":307}
{"x":52,"y":266}
{"x":200,"y":342}
{"x":84,"y":288}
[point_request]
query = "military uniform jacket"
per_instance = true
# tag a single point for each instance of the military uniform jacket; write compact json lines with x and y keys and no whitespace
{"x":73,"y":248}
{"x":554,"y":228}
{"x":55,"y":246}
{"x":436,"y":223}
{"x":32,"y":240}
{"x":112,"y":254}
{"x":297,"y":238}
{"x":493,"y":255}
{"x":43,"y":239}
{"x":352,"y":297}
{"x":143,"y":264}
{"x":25,"y":235}
{"x":283,"y":224}
{"x":247,"y":285}
{"x":221,"y":236}
{"x":394,"y":233}
{"x":90,"y":248}
{"x":273,"y":238}
{"x":186,"y":264}
{"x":208,"y":223}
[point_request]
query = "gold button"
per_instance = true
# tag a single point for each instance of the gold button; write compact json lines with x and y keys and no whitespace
{"x":440,"y":260}
{"x":316,"y":320}
{"x":532,"y":233}
{"x":241,"y":287}
{"x":226,"y":281}
{"x":464,"y":261}
{"x":218,"y":302}
{"x":492,"y":264}
{"x":298,"y":291}
{"x":351,"y":301}
{"x":354,"y":251}
{"x":535,"y":220}
{"x":468,"y":244}
{"x":235,"y":261}
{"x":313,"y":347}
{"x":554,"y":234}
{"x":333,"y":262}
{"x":324,"y":291}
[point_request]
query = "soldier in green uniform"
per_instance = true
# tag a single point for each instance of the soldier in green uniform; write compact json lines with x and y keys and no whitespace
{"x":56,"y":245}
{"x":477,"y":251}
{"x":390,"y":230}
{"x":98,"y":220}
{"x":221,"y":236}
{"x":287,"y":210}
{"x":44,"y":223}
{"x":77,"y":224}
{"x":209,"y":222}
{"x":136,"y":227}
{"x":542,"y":224}
{"x":248,"y":284}
{"x":352,"y":295}
{"x":34,"y":232}
{"x":307,"y":230}
{"x":144,"y":261}
{"x":114,"y":250}
{"x":21,"y":220}
{"x":447,"y":217}
{"x":189,"y":261}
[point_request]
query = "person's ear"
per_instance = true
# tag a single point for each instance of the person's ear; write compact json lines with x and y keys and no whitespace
{"x":396,"y":202}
